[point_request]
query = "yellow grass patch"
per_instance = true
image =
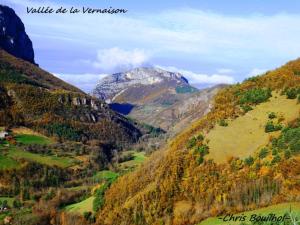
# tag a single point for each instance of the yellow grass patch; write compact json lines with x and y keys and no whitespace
{"x":25,"y":130}
{"x":244,"y":135}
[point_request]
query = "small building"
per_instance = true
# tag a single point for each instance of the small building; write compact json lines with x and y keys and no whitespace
{"x":3,"y":134}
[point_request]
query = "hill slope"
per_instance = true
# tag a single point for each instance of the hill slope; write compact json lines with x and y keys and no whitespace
{"x":181,"y":185}
{"x":34,"y":98}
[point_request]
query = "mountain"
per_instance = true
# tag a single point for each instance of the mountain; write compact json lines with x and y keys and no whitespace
{"x":177,"y":116}
{"x":155,"y":96}
{"x":139,"y":84}
{"x":13,"y":38}
{"x":243,"y":155}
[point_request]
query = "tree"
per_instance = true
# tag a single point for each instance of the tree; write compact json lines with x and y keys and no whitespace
{"x":17,"y":204}
{"x":4,"y":204}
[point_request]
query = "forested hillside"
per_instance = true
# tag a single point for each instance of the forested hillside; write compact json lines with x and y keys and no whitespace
{"x":34,"y":98}
{"x":186,"y":182}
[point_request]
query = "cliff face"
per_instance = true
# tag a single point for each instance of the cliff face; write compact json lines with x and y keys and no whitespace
{"x":13,"y":37}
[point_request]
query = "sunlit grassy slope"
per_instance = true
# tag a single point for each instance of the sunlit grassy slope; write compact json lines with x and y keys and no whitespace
{"x":7,"y":163}
{"x":83,"y":206}
{"x":9,"y":200}
{"x":63,"y":162}
{"x":244,"y":135}
{"x":32,"y":139}
{"x":138,"y":159}
{"x":278,"y":210}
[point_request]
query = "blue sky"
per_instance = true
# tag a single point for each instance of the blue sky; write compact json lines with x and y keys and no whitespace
{"x":209,"y":42}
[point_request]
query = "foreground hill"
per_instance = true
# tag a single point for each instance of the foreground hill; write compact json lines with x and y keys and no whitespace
{"x":203,"y":174}
{"x":155,"y":96}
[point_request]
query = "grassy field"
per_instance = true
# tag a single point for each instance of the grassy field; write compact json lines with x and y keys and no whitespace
{"x":138,"y":158}
{"x":9,"y":200}
{"x":81,"y":207}
{"x":63,"y":162}
{"x":105,"y":175}
{"x":278,"y":210}
{"x":244,"y":135}
{"x":7,"y":163}
{"x":7,"y":159}
{"x":32,"y":139}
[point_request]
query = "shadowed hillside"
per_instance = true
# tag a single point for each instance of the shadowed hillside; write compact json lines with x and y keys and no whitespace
{"x":34,"y":98}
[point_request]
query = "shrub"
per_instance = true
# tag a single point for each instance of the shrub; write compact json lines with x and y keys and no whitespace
{"x":87,"y":215}
{"x":272,"y":115}
{"x":274,"y":151}
{"x":249,"y":161}
{"x":223,"y":123}
{"x":276,"y":159}
{"x":291,"y":93}
{"x":203,"y":150}
{"x":253,"y":79}
{"x":263,"y":153}
{"x":200,"y":160}
{"x":17,"y":204}
{"x":200,"y":137}
{"x":191,"y":143}
{"x":255,"y":96}
{"x":291,"y":138}
{"x":287,"y":154}
{"x":246,"y":108}
{"x":271,"y":127}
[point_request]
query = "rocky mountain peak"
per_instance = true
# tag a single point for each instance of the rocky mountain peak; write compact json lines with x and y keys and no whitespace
{"x":112,"y":85}
{"x":13,"y":37}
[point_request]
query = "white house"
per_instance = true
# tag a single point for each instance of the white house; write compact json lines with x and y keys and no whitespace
{"x":3,"y":134}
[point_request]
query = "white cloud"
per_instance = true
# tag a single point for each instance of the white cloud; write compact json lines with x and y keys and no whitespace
{"x":225,"y":71}
{"x":256,"y":71}
{"x":198,"y":79}
{"x":116,"y":58}
{"x":86,"y":82}
{"x":188,"y":36}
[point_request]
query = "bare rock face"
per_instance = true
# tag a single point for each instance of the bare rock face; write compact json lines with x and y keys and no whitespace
{"x":13,"y":37}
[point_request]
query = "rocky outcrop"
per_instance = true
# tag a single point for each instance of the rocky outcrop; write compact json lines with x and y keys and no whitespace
{"x":13,"y":37}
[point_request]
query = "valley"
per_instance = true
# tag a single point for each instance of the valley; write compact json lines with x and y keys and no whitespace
{"x":145,"y":147}
{"x":21,"y":148}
